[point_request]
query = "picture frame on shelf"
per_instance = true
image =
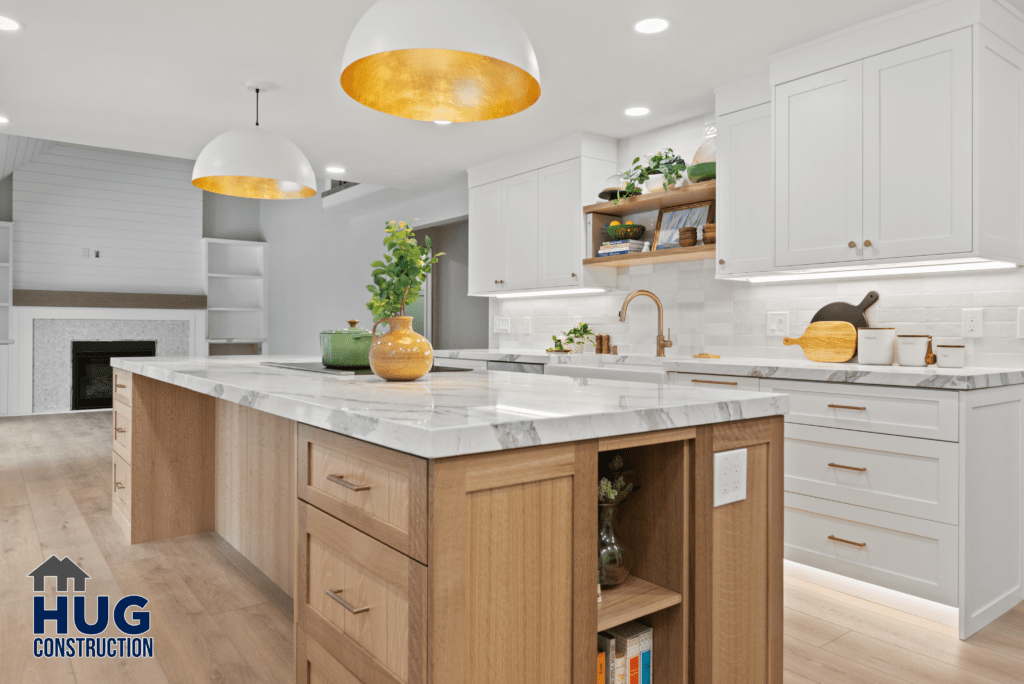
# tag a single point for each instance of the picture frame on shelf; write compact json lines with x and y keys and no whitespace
{"x":672,"y":219}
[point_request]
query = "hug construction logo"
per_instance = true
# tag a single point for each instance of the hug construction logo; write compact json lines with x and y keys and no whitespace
{"x":71,"y":580}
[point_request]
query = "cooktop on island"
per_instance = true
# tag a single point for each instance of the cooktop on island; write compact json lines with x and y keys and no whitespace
{"x":317,"y":367}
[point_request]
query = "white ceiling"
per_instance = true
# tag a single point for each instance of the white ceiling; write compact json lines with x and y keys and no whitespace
{"x":166,"y":77}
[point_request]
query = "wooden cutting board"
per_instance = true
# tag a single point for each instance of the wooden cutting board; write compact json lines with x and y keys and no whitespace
{"x":827,"y":341}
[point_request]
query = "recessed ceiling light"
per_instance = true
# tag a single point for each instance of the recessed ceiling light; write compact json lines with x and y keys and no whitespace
{"x":8,"y":24}
{"x":335,"y":169}
{"x":442,"y":123}
{"x":651,"y":25}
{"x":4,"y":119}
{"x":637,"y":111}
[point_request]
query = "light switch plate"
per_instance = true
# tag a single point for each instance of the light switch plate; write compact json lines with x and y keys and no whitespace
{"x":502,"y":324}
{"x":1020,"y":322}
{"x":730,"y":476}
{"x":778,"y":323}
{"x":972,"y":326}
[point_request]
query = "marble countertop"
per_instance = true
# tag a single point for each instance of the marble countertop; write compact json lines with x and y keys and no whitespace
{"x":451,"y":414}
{"x":969,"y":378}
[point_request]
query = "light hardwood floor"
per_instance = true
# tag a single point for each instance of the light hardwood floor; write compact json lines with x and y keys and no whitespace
{"x":215,"y":621}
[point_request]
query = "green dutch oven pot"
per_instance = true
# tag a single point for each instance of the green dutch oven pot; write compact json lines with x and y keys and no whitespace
{"x":346,"y":348}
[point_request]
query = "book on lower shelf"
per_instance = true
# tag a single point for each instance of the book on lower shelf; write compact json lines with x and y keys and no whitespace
{"x":601,"y":667}
{"x":606,"y":647}
{"x":635,"y":641}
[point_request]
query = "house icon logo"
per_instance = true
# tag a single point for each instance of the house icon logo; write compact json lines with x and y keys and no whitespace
{"x":63,"y":570}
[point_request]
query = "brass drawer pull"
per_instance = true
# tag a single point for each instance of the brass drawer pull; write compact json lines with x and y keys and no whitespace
{"x":848,"y":408}
{"x":715,"y":382}
{"x":117,"y":429}
{"x":836,"y":465}
{"x":348,"y":606}
{"x":845,"y":541}
{"x":121,"y":386}
{"x":340,"y":479}
{"x":118,"y":485}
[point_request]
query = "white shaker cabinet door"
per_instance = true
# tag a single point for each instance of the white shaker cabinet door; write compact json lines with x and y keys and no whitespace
{"x":818,"y":168}
{"x":917,"y":149}
{"x":486,"y":240}
{"x":519,"y":200}
{"x":560,"y":225}
{"x":744,"y":210}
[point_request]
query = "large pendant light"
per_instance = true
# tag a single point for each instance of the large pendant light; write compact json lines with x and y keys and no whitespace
{"x":254,"y":163}
{"x":441,"y":60}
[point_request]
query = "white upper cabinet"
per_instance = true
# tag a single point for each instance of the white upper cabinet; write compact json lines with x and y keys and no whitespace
{"x":560,"y":239}
{"x":486,"y":240}
{"x":744,"y":194}
{"x":917,"y":149}
{"x":519,"y":203}
{"x":819,"y":168}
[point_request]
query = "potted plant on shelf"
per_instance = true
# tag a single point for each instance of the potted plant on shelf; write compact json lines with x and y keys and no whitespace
{"x":612,"y":556}
{"x":661,"y":169}
{"x":579,"y":336}
{"x":401,"y":353}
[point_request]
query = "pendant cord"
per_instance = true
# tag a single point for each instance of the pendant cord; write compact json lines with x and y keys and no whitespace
{"x":257,"y":106}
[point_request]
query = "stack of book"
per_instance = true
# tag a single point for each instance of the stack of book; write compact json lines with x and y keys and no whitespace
{"x":629,"y":646}
{"x":618,"y":247}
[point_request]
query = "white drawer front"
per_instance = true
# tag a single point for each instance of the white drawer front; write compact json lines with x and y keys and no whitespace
{"x":714,"y":381}
{"x":915,"y":477}
{"x":917,"y":557}
{"x":932,"y":414}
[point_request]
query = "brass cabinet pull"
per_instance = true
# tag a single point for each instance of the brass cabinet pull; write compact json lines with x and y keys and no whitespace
{"x":721,"y":262}
{"x":852,"y":245}
{"x":867,"y":243}
{"x":118,"y":485}
{"x":848,"y":408}
{"x":715,"y":382}
{"x":846,"y":541}
{"x":836,"y":465}
{"x":495,"y":282}
{"x":574,"y":275}
{"x":120,"y":386}
{"x":117,"y":429}
{"x":340,"y":479}
{"x":348,"y":606}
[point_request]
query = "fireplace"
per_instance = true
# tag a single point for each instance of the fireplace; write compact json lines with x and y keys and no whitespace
{"x":91,"y":375}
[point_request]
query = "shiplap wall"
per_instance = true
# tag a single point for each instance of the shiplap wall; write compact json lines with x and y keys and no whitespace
{"x":139,"y":211}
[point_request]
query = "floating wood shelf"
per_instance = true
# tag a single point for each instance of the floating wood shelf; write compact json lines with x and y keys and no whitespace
{"x":673,"y":197}
{"x":632,"y":599}
{"x":662,"y":256}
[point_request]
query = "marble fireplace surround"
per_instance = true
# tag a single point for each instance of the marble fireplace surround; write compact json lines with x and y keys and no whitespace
{"x":42,"y":344}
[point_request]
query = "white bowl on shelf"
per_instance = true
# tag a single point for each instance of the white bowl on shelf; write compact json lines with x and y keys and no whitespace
{"x":656,"y":182}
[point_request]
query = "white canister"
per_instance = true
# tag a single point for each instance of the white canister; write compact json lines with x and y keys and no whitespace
{"x":950,"y":355}
{"x":913,"y":349}
{"x":874,"y":346}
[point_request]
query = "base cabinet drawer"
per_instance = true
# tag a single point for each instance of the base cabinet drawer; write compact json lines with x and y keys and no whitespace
{"x":917,"y":557}
{"x":121,"y":492}
{"x":901,"y":411}
{"x":122,"y":429}
{"x":714,"y":381}
{"x":378,"y":491}
{"x":315,"y":665}
{"x":363,"y":601}
{"x":915,"y":477}
{"x":122,"y":386}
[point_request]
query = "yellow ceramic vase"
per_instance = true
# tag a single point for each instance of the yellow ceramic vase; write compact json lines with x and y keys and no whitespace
{"x":401,"y":353}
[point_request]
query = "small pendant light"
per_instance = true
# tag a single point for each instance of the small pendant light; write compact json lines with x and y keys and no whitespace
{"x":254,"y":163}
{"x":441,"y":60}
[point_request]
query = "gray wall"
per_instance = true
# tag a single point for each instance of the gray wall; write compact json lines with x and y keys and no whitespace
{"x":458,"y":320}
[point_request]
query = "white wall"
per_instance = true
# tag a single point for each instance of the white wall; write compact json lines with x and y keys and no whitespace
{"x":139,"y":211}
{"x":319,"y":259}
{"x":729,"y":317}
{"x":230,"y":218}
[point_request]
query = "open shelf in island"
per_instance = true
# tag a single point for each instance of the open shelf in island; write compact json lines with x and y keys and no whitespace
{"x":633,"y":599}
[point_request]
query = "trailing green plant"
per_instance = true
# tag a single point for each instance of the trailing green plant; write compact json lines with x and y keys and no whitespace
{"x":399,"y":277}
{"x":616,"y":489}
{"x":560,"y":342}
{"x":665,"y":162}
{"x":581,"y":333}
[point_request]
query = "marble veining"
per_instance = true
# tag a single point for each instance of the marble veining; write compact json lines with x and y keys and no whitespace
{"x":450,"y":414}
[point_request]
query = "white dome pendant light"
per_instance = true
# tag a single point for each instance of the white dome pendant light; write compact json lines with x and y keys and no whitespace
{"x":254,"y":163}
{"x":441,"y":60}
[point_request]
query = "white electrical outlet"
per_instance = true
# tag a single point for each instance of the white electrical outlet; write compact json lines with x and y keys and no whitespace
{"x":86,"y":252}
{"x":972,"y":323}
{"x":527,"y":325}
{"x":502,"y":324}
{"x":778,"y":323}
{"x":730,"y":476}
{"x":1020,"y":322}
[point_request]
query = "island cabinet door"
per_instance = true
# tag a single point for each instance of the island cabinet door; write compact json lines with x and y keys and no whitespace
{"x":361,"y":602}
{"x":513,"y":570}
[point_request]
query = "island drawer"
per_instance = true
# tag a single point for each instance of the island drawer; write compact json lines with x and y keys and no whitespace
{"x":121,"y":484}
{"x":363,"y":601}
{"x":122,"y":431}
{"x":915,"y":477}
{"x":714,"y":381}
{"x":914,"y":556}
{"x":376,"y":490}
{"x":315,"y":665}
{"x":906,"y":412}
{"x":123,"y":386}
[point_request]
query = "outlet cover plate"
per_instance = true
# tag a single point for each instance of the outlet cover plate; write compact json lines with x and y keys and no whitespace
{"x":502,"y":324}
{"x":972,"y":325}
{"x":1020,"y":322}
{"x":778,"y":323}
{"x":730,"y":476}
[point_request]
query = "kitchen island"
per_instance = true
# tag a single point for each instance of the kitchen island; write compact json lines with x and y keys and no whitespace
{"x":445,"y":530}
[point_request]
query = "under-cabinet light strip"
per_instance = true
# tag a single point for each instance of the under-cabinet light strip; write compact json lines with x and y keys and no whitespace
{"x":549,"y":293}
{"x":887,"y":271}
